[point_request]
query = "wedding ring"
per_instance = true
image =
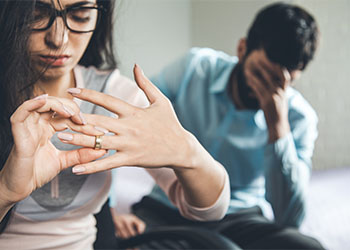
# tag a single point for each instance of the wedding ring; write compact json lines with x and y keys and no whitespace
{"x":98,"y":142}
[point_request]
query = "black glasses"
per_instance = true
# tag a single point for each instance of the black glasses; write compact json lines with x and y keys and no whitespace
{"x":78,"y":19}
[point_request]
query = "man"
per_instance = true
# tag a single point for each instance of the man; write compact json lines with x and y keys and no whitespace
{"x":246,"y":114}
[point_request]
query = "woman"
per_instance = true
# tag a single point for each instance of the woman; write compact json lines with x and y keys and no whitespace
{"x":47,"y":48}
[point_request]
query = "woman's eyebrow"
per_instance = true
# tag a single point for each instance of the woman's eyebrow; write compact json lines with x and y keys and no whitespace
{"x":76,"y":4}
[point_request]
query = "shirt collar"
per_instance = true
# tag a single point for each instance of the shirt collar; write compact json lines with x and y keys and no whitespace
{"x":220,"y":84}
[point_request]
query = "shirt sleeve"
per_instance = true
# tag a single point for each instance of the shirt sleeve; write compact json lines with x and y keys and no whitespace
{"x":287,"y":165}
{"x":169,"y":183}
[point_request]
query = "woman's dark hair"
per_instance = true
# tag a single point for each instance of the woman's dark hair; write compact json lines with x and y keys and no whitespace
{"x":18,"y":76}
{"x":287,"y":33}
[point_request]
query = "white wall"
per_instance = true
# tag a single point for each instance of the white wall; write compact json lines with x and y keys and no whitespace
{"x":151,"y":33}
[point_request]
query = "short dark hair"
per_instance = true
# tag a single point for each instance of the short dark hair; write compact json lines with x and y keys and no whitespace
{"x":287,"y":33}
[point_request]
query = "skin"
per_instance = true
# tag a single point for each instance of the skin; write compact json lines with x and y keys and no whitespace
{"x":268,"y":82}
{"x":139,"y":137}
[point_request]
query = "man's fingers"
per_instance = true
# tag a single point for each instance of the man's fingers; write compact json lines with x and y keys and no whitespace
{"x":108,"y":102}
{"x":79,"y":156}
{"x":140,"y":225}
{"x":258,"y":88}
{"x":151,"y":91}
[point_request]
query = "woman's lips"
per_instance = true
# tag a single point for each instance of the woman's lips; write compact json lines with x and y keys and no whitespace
{"x":58,"y":60}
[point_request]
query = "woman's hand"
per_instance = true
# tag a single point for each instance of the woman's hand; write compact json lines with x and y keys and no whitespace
{"x":34,"y":160}
{"x":147,"y":137}
{"x":151,"y":137}
{"x":127,"y":225}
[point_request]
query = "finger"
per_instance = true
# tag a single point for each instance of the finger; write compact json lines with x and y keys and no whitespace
{"x":114,"y":161}
{"x":88,"y":141}
{"x":130,"y":225}
{"x":123,"y":233}
{"x":109,"y":102}
{"x":266,"y":76}
{"x":253,"y":82}
{"x":63,"y":124}
{"x":23,"y":111}
{"x":287,"y":77}
{"x":140,"y":226}
{"x":79,"y":156}
{"x":63,"y":107}
{"x":152,"y":92}
{"x":121,"y":230}
{"x":110,"y":123}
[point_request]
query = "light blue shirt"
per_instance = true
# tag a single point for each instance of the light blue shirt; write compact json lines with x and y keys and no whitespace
{"x":259,"y":172}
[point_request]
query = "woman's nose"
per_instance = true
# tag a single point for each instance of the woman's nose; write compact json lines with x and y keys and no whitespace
{"x":57,"y":35}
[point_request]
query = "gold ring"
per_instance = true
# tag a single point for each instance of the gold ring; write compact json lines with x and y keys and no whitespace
{"x":98,"y":142}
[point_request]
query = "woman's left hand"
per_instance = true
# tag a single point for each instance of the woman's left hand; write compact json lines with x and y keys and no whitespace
{"x":147,"y":137}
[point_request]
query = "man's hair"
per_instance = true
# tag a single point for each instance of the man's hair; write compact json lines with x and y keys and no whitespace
{"x":287,"y":33}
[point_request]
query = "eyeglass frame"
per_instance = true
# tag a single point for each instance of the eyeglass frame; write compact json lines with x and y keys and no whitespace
{"x":62,"y":13}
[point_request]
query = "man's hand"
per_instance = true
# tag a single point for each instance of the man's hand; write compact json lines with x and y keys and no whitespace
{"x":269,"y":82}
{"x":127,"y":225}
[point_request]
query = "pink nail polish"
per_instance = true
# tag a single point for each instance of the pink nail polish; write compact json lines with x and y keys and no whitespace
{"x":74,"y":91}
{"x":65,"y":136}
{"x":44,"y":96}
{"x":78,"y":169}
{"x":103,"y":130}
{"x":82,"y":118}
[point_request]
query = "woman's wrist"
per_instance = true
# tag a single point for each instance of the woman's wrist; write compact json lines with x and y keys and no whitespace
{"x":5,"y":201}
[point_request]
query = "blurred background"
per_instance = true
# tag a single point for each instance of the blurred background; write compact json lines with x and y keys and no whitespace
{"x":153,"y":33}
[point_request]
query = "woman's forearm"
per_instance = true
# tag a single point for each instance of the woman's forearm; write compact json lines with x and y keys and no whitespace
{"x":203,"y":178}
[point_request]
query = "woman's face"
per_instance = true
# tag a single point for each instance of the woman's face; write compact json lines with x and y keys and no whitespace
{"x":59,"y":47}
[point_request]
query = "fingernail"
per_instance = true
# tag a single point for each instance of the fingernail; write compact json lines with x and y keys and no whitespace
{"x":74,"y":91}
{"x":137,"y":66}
{"x":68,"y":110}
{"x":65,"y":136}
{"x":103,"y":130}
{"x":44,"y":96}
{"x":79,"y":169}
{"x":82,"y":118}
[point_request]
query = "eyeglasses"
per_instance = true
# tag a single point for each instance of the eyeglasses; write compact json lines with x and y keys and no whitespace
{"x":78,"y":19}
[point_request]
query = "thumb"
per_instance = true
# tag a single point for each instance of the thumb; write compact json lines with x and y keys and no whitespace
{"x":151,"y":91}
{"x":79,"y":156}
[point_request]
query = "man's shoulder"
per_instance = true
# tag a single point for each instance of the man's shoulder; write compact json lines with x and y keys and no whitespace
{"x":211,"y":56}
{"x":210,"y":64}
{"x":299,"y":107}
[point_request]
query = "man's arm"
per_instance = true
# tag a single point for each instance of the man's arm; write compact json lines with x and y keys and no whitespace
{"x":287,"y":165}
{"x":291,"y":137}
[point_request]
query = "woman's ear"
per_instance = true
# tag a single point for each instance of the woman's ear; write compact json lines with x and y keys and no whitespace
{"x":241,"y":48}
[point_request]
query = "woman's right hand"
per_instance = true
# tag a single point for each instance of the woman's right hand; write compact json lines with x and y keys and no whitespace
{"x":34,"y":160}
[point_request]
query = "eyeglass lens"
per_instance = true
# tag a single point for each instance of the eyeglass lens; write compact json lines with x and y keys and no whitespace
{"x":80,"y":19}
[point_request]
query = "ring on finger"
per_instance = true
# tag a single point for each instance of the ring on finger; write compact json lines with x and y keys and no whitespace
{"x":98,"y":142}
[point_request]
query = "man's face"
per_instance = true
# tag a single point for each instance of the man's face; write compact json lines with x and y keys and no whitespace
{"x":257,"y":67}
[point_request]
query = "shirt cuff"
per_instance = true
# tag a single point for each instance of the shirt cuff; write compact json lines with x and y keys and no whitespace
{"x":283,"y":150}
{"x":214,"y":212}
